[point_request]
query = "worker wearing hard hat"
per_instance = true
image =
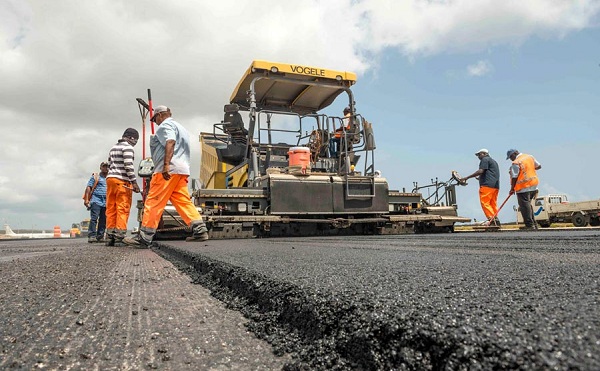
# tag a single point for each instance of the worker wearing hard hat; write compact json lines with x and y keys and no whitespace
{"x":489,"y":184}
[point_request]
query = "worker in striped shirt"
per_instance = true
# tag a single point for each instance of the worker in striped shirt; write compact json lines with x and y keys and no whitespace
{"x":120,"y":184}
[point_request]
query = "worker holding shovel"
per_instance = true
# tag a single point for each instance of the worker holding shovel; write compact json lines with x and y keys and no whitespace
{"x":489,"y":185}
{"x":524,"y":182}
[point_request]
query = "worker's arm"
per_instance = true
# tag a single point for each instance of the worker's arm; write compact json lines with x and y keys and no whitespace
{"x":169,"y":149}
{"x":513,"y":172}
{"x":475,"y":174}
{"x":536,"y":164}
{"x":128,"y":156}
{"x":88,"y":196}
{"x":513,"y":183}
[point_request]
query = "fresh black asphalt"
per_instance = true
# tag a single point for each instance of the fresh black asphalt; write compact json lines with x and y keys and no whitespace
{"x":506,"y":300}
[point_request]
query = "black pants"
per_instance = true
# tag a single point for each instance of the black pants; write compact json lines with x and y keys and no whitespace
{"x":524,"y":200}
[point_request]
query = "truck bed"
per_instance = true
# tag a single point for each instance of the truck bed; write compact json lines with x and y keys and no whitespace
{"x":573,"y":207}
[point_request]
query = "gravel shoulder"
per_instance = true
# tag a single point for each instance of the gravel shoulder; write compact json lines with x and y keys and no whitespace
{"x":66,"y":304}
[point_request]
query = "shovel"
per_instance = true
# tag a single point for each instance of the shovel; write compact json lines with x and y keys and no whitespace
{"x":497,"y":212}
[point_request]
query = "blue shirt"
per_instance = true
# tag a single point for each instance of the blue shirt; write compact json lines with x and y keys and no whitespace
{"x":171,"y":130}
{"x":99,"y":194}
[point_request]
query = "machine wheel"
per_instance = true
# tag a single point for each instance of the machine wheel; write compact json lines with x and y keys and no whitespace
{"x":579,"y":220}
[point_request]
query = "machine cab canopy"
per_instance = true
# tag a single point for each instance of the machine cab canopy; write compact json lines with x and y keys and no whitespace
{"x":291,"y":87}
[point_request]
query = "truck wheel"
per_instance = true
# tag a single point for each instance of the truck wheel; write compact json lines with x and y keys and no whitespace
{"x":579,"y":220}
{"x":544,"y":225}
{"x":594,"y":222}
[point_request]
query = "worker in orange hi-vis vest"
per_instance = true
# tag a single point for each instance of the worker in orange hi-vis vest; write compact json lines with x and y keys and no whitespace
{"x":489,"y":185}
{"x":524,"y":182}
{"x":335,"y":143}
{"x":170,"y":149}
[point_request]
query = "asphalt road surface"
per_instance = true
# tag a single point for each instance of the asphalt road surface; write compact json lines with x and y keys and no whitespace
{"x":508,"y":300}
{"x":66,"y":304}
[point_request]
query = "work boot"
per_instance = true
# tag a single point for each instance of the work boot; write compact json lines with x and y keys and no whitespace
{"x":100,"y":240}
{"x":198,"y":237}
{"x":527,"y":228}
{"x":496,"y":222}
{"x":110,"y":240}
{"x":199,"y":233}
{"x":137,"y":242}
{"x":91,"y":239}
{"x":119,"y":242}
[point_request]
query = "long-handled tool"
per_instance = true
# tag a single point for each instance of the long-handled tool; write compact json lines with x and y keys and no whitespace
{"x":497,"y":212}
{"x":146,"y":111}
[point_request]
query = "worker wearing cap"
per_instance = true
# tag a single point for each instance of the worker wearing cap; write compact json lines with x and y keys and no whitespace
{"x":120,"y":183}
{"x":170,"y":149}
{"x":489,"y":184}
{"x":524,"y":182}
{"x":95,"y":201}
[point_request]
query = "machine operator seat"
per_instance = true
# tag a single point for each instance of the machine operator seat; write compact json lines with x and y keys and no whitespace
{"x":354,"y":133}
{"x":234,"y":125}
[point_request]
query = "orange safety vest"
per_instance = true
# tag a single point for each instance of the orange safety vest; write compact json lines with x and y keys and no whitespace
{"x":338,"y":132}
{"x":527,"y":174}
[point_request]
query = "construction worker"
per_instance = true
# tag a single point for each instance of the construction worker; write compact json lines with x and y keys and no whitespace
{"x":524,"y":182}
{"x":120,"y":183}
{"x":170,"y":149}
{"x":489,"y":185}
{"x":94,"y":200}
{"x":336,"y":141}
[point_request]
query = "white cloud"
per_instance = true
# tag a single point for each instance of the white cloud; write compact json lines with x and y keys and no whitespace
{"x":71,"y":70}
{"x":437,"y":26}
{"x":16,"y":22}
{"x":481,"y":68}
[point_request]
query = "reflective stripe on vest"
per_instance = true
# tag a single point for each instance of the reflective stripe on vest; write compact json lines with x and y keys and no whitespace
{"x":527,"y":175}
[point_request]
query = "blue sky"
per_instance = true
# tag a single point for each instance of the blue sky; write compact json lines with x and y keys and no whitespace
{"x":540,"y":97}
{"x":439,"y":79}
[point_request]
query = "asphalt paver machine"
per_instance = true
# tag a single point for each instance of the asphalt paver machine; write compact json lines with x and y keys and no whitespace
{"x":277,"y":165}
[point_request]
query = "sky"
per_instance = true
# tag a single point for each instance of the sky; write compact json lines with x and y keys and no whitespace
{"x":439,"y":79}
